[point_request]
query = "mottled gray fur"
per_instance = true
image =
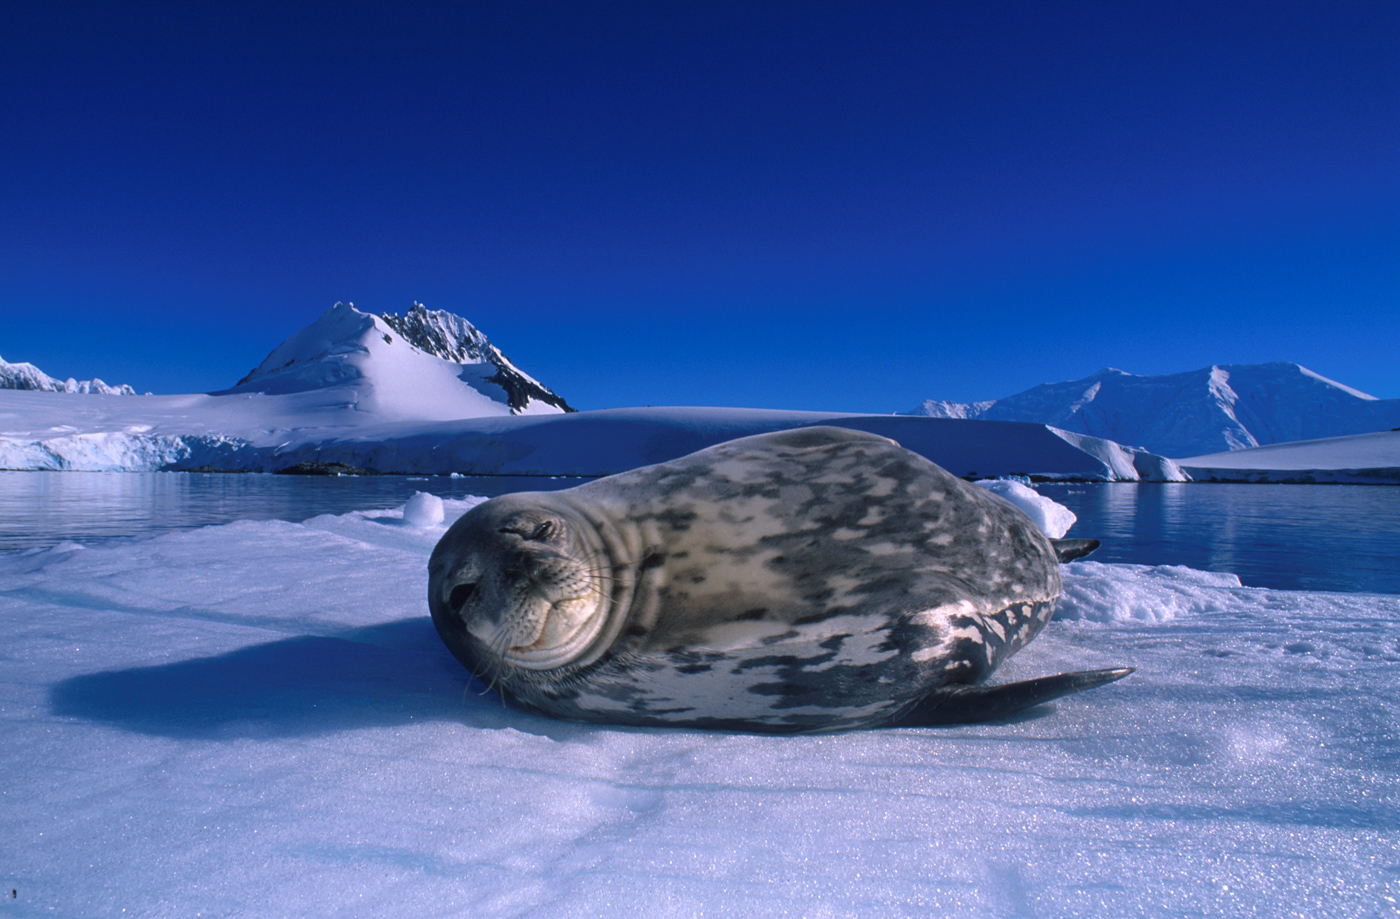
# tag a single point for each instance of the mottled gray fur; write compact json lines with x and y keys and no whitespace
{"x":811,"y":579}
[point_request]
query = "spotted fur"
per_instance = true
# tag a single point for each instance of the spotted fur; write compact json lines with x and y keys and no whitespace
{"x":805,"y":580}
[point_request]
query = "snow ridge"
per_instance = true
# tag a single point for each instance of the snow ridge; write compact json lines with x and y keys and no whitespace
{"x":26,"y":376}
{"x":1215,"y":409}
{"x":453,"y":338}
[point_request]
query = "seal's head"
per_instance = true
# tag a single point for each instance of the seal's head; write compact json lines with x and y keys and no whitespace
{"x":517,"y":582}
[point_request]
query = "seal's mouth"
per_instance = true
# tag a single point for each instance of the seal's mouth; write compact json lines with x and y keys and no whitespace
{"x":563,"y":631}
{"x":556,"y":628}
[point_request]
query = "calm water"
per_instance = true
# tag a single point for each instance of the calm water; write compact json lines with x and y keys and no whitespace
{"x":46,"y":508}
{"x":1298,"y":537}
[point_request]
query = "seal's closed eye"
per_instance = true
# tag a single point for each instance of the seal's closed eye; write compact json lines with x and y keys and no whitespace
{"x":531,"y":530}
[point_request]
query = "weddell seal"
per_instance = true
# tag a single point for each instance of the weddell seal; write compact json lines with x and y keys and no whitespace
{"x":806,"y":580}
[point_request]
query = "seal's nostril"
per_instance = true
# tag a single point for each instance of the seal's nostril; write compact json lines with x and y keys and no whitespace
{"x":460,"y":595}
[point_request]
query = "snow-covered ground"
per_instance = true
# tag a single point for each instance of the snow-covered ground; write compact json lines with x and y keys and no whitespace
{"x":258,"y":719}
{"x":1361,"y":458}
{"x":266,"y":432}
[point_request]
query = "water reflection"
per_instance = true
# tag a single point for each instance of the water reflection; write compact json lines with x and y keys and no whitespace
{"x":1298,"y":537}
{"x":1301,"y":537}
{"x":46,"y":508}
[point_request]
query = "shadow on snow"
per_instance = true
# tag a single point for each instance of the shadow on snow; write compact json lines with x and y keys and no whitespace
{"x":393,"y":674}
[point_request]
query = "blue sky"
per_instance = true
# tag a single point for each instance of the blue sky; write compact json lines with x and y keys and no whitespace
{"x":847,"y":206}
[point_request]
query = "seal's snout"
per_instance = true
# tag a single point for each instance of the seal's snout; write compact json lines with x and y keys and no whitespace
{"x":512,"y":585}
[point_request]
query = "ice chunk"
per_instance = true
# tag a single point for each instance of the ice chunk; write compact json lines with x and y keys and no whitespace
{"x":1053,"y":518}
{"x":423,"y":510}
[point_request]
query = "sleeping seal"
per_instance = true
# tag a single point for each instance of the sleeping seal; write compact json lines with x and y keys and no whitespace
{"x":806,"y":580}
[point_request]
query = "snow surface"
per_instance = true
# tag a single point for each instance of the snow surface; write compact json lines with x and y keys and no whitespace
{"x":1222,"y":407}
{"x":258,"y":719}
{"x":1362,"y":458}
{"x":266,"y":432}
{"x":1053,"y":518}
{"x":423,"y":510}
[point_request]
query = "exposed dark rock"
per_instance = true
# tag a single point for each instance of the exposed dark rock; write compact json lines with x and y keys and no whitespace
{"x":316,"y":467}
{"x":430,"y":331}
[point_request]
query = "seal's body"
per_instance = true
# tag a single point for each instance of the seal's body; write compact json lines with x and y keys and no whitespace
{"x":805,"y":580}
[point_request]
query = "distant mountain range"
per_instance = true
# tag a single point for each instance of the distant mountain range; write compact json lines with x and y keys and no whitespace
{"x":423,"y":364}
{"x":1218,"y":408}
{"x":426,"y":393}
{"x":28,"y":377}
{"x":431,"y":365}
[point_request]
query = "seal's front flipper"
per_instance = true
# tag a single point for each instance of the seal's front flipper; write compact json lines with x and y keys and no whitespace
{"x":1067,"y":550}
{"x":970,"y":704}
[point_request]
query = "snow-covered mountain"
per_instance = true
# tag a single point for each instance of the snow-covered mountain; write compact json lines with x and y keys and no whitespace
{"x":1218,"y":408}
{"x":28,"y":377}
{"x":423,"y":365}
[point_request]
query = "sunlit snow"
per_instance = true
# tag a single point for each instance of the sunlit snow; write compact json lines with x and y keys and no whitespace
{"x":258,"y":719}
{"x":1054,"y":519}
{"x":1372,"y":459}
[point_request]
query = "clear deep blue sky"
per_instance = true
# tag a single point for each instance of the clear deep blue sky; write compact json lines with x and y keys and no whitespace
{"x":850,"y":206}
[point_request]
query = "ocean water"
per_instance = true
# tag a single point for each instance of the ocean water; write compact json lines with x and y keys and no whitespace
{"x":1292,"y":537}
{"x":46,"y":508}
{"x":1289,"y":537}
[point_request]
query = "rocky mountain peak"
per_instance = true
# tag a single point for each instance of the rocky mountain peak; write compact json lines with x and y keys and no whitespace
{"x":450,"y":337}
{"x":442,"y":334}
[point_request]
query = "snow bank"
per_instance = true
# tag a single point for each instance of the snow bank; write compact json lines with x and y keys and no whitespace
{"x":1094,"y":592}
{"x":1363,"y":459}
{"x":258,"y":719}
{"x":1054,"y":519}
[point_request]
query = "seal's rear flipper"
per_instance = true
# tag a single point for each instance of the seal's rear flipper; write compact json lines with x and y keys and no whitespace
{"x":1067,"y":550}
{"x":970,"y":704}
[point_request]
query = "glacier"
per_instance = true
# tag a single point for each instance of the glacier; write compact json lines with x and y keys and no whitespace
{"x":1361,"y":459}
{"x":268,"y":432}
